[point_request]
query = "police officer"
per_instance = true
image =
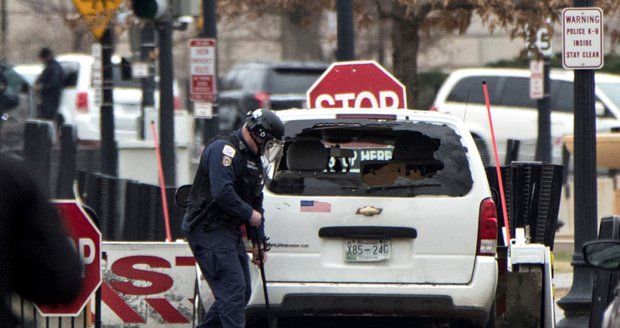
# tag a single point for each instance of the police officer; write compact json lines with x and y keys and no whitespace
{"x":226,"y":195}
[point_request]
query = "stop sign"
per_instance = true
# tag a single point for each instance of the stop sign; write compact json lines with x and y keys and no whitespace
{"x":87,"y":240}
{"x":357,"y":84}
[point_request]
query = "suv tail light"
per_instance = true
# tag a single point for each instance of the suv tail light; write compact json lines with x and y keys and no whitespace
{"x":434,"y":108}
{"x":263,"y":99}
{"x":178,"y":105}
{"x":81,"y":102}
{"x":487,"y":228}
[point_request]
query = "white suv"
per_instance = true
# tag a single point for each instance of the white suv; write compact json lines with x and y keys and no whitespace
{"x":77,"y":105}
{"x":514,"y":112}
{"x":379,"y":212}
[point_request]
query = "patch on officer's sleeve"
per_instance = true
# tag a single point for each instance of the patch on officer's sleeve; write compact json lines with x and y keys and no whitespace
{"x":226,"y":160}
{"x":229,"y":151}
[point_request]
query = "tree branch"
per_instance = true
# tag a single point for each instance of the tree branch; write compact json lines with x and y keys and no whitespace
{"x":383,"y":13}
{"x":43,"y":6}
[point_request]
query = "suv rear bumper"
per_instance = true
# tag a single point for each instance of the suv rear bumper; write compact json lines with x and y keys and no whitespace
{"x":472,"y":301}
{"x":431,"y":306}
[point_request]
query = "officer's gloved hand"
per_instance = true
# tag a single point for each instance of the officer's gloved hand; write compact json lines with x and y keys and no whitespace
{"x":256,"y":255}
{"x":266,"y":244}
{"x":256,"y":219}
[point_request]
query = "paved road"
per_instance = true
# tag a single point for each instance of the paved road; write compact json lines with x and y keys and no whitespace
{"x":363,"y":322}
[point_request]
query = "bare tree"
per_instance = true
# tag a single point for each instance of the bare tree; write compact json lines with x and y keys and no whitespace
{"x":413,"y":19}
{"x":65,"y":10}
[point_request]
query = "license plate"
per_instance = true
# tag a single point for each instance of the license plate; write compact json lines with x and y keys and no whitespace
{"x":367,"y":250}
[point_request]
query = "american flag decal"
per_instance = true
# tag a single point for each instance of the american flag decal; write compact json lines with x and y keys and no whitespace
{"x":315,"y":206}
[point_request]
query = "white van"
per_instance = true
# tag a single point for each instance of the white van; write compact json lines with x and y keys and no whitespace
{"x":379,"y":212}
{"x":77,"y":104}
{"x":514,"y":112}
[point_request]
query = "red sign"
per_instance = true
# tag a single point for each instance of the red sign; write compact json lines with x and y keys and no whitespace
{"x":357,"y":84}
{"x":203,"y":86}
{"x":148,"y":285}
{"x":87,"y":240}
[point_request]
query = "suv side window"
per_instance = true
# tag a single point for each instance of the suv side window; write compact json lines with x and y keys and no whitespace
{"x":246,"y":79}
{"x":516,"y":93}
{"x":469,"y":89}
{"x":562,"y":96}
{"x":292,"y":80}
{"x":71,"y":71}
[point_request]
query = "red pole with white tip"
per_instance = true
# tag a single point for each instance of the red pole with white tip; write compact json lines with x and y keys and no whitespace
{"x":500,"y":181}
{"x":162,"y":183}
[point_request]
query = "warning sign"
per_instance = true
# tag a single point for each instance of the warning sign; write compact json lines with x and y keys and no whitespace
{"x":203,"y":85}
{"x":97,"y":14}
{"x":537,"y":79}
{"x":582,"y":36}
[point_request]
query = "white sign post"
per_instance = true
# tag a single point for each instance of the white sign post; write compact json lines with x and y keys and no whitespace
{"x":97,"y":76}
{"x":537,"y":79}
{"x":582,"y":38}
{"x":543,"y":42}
{"x":203,"y":85}
{"x":140,"y":70}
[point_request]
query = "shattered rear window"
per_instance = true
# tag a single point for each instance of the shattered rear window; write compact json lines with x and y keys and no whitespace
{"x":371,"y":158}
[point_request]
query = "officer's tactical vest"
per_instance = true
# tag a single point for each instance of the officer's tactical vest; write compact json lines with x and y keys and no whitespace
{"x":204,"y":212}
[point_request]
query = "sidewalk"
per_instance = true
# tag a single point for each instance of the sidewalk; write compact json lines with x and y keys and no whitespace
{"x":562,"y":283}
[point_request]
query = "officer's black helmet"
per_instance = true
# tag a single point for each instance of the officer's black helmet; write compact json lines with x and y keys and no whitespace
{"x":266,"y":125}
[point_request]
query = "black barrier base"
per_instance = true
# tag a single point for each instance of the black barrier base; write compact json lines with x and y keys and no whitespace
{"x":533,"y":193}
{"x":576,"y":304}
{"x":605,"y":281}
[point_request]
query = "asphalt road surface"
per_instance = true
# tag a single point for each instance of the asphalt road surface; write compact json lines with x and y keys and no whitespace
{"x":362,"y":322}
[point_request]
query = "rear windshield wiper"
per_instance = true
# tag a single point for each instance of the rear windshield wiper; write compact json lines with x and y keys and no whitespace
{"x":389,"y":187}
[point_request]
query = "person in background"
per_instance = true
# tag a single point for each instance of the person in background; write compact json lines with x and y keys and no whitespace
{"x":37,"y":260}
{"x":48,"y":87}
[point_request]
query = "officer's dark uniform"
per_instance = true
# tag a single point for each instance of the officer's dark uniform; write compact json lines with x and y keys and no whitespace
{"x":227,"y":187}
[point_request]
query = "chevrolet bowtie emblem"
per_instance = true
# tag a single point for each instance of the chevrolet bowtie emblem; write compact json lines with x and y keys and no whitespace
{"x":368,"y":211}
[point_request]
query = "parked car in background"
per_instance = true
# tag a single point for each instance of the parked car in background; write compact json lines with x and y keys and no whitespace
{"x":30,"y":72}
{"x":12,"y":122}
{"x":515,"y":114}
{"x":78,"y":107}
{"x":78,"y":99}
{"x":273,"y":85}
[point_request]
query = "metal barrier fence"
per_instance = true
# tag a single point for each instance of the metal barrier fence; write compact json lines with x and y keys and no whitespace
{"x":533,"y":191}
{"x":128,"y":210}
{"x":28,"y":317}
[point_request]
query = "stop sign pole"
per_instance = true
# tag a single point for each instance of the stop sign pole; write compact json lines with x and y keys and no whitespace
{"x":357,"y":84}
{"x":86,"y":238}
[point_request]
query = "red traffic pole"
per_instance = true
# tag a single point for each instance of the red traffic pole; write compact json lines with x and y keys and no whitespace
{"x":498,"y":169}
{"x":162,"y":183}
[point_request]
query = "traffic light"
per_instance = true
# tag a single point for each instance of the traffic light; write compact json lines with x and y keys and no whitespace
{"x":149,"y":9}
